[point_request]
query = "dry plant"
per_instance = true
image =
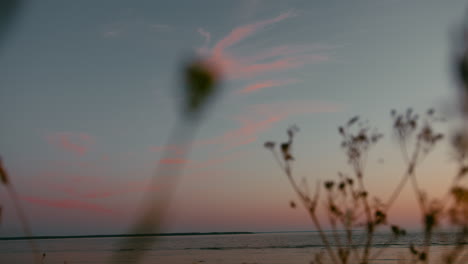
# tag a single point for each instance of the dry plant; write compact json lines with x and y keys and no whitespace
{"x":5,"y":180}
{"x":202,"y":78}
{"x":350,"y":207}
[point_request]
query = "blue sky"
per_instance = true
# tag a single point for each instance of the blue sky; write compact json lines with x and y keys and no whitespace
{"x":91,"y":89}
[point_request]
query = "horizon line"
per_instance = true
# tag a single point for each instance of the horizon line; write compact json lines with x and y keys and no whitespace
{"x":146,"y":235}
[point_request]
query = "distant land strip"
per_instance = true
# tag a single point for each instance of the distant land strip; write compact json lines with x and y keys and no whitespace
{"x":127,"y":235}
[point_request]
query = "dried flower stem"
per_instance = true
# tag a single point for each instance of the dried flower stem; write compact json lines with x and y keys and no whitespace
{"x":5,"y":179}
{"x":306,"y":202}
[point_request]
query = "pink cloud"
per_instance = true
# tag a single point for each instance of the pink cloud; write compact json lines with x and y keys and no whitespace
{"x":126,"y":189}
{"x":68,"y":204}
{"x":218,"y":160}
{"x":242,"y":32}
{"x":246,"y":130}
{"x":250,"y":129}
{"x":201,"y":164}
{"x":77,"y":143}
{"x":260,"y":118}
{"x":266,"y":84}
{"x":93,"y":190}
{"x":280,"y":58}
{"x":254,"y":69}
{"x":255,"y":120}
{"x":65,"y":188}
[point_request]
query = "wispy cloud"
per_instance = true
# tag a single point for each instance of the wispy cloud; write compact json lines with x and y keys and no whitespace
{"x":259,"y":118}
{"x":203,"y":50}
{"x":276,"y":59}
{"x":69,"y":189}
{"x":201,"y":166}
{"x":255,"y":120}
{"x":73,"y":142}
{"x":242,"y":32}
{"x":68,"y":204}
{"x":248,"y":132}
{"x":124,"y":189}
{"x":82,"y":188}
{"x":266,"y":84}
{"x":216,"y":161}
{"x":282,"y":64}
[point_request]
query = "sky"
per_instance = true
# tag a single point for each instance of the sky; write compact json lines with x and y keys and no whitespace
{"x":91,"y":90}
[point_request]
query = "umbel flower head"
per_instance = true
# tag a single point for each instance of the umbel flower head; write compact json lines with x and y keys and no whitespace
{"x":201,"y":84}
{"x":3,"y":174}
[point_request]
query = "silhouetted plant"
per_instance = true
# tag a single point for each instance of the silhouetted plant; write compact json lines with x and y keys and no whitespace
{"x":348,"y":204}
{"x":5,"y":180}
{"x":202,"y":79}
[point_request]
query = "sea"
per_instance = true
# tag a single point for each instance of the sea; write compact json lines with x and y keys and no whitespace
{"x":245,"y":248}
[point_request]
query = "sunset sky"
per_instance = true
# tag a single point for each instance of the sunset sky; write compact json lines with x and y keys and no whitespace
{"x":90,"y":91}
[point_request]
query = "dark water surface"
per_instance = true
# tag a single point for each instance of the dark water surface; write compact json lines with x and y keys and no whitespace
{"x":293,"y":247}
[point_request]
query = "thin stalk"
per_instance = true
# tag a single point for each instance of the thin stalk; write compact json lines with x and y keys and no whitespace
{"x":156,"y":203}
{"x":347,"y":225}
{"x":381,"y":250}
{"x":334,"y":230}
{"x":335,"y":234}
{"x":396,"y":192}
{"x":24,"y":222}
{"x":427,"y":240}
{"x":315,"y":221}
{"x":416,"y":189}
{"x":456,"y":252}
{"x":323,"y":237}
{"x":406,"y":175}
{"x":370,"y":225}
{"x":412,"y":175}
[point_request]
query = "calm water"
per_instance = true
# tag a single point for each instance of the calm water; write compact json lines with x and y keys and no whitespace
{"x":271,"y":248}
